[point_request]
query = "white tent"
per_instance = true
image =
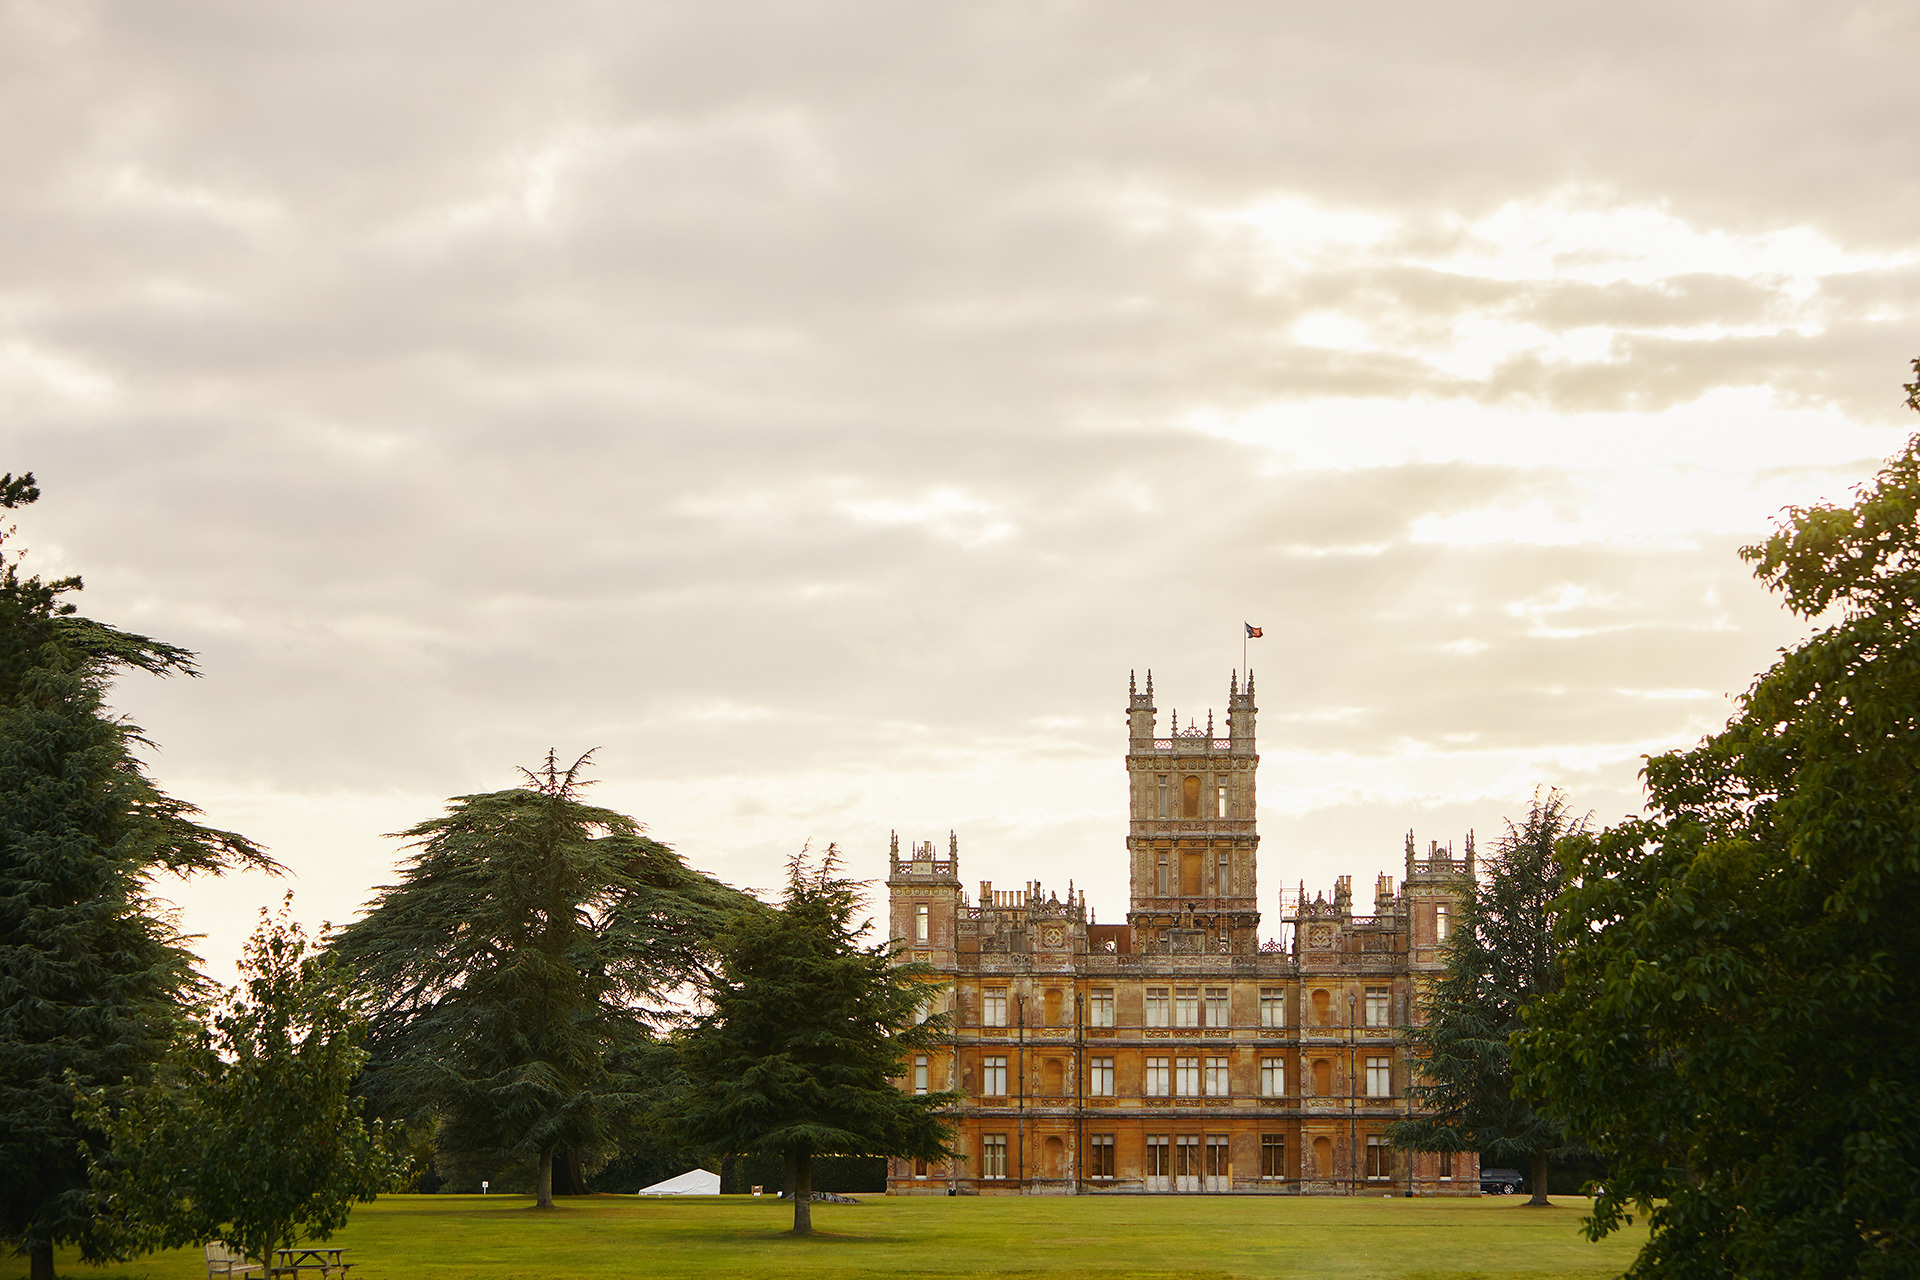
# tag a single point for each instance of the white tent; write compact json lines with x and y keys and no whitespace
{"x":695,"y":1182}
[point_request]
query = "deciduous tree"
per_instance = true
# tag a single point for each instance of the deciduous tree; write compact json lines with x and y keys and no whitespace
{"x":521,"y":965}
{"x":251,"y":1133}
{"x":806,"y":1030}
{"x":1500,"y":958}
{"x":92,"y":975}
{"x":1737,"y":1028}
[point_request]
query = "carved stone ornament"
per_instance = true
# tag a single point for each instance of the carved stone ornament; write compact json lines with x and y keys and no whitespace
{"x":1053,"y":936}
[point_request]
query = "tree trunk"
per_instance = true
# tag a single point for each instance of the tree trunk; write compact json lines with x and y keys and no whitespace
{"x":786,"y":1174}
{"x":40,"y":1265}
{"x":543,"y":1189}
{"x":801,"y":1166}
{"x":1540,"y":1181}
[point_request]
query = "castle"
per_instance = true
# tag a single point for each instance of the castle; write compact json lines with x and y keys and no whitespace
{"x":1176,"y":1052}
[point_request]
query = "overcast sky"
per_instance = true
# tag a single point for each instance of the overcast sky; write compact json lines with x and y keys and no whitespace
{"x":821,"y":407}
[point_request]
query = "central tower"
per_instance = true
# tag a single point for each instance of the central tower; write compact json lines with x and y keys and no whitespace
{"x":1192,"y":834}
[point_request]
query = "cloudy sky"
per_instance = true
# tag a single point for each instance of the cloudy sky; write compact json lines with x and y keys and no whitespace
{"x":820,"y":408}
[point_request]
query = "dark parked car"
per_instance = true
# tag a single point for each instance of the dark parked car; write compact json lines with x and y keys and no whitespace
{"x":1501,"y":1182}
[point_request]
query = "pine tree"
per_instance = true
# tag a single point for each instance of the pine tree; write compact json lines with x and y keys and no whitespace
{"x":521,"y":966}
{"x":1501,"y":957}
{"x":92,"y":976}
{"x":806,"y":1032}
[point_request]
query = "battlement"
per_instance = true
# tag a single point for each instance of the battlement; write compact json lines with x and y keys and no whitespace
{"x":922,"y":863}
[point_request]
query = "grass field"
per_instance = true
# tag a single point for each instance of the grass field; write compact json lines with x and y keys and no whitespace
{"x":503,"y":1238}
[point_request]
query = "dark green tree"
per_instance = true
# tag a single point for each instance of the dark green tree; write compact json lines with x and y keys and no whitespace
{"x":806,"y":1032}
{"x":521,"y":967}
{"x":1737,"y":1029}
{"x":92,"y":976}
{"x":250,"y":1133}
{"x":1500,"y":958}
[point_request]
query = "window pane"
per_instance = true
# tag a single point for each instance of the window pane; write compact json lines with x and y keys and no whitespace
{"x":1273,"y":1078}
{"x":1273,"y":1007}
{"x":994,"y":1007}
{"x":1377,"y":1006}
{"x":1158,"y":1084}
{"x":1101,"y":1009}
{"x":1186,"y":1007}
{"x":1217,"y":1006}
{"x":1186,"y":1077}
{"x":1218,"y":1085}
{"x":1156,"y":1006}
{"x":1100,"y":1081}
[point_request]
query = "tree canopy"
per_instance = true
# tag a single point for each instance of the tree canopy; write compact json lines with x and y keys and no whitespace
{"x":1736,"y":1029}
{"x":807,"y":1030}
{"x":92,"y":975}
{"x":1500,"y":958}
{"x":250,"y":1133}
{"x":522,"y":964}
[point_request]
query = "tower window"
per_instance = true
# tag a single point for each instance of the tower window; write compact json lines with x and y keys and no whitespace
{"x":1190,"y":788}
{"x":920,"y":1074}
{"x":1441,"y":923}
{"x":1162,"y":809}
{"x":1161,"y":873}
{"x":1220,"y":797}
{"x":920,"y":923}
{"x":1223,"y":875}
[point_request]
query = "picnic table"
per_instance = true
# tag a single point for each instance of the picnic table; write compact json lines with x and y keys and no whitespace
{"x":311,"y":1258}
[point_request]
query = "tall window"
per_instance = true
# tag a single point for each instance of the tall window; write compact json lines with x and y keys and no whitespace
{"x":1156,"y":1006}
{"x":1159,"y":1163}
{"x":919,"y":1168}
{"x":1376,"y":1006}
{"x":1217,"y":1006}
{"x":1273,"y":1155}
{"x":1223,"y":875}
{"x":1161,"y":809}
{"x":1100,"y":1008}
{"x":920,"y":1074}
{"x":1220,"y":795}
{"x":1162,"y":884}
{"x":993,"y":1009}
{"x":1446,"y":1166}
{"x":1100,"y":1155}
{"x":1379,"y":1077}
{"x":1190,"y":797}
{"x":1377,"y":1162}
{"x":1442,"y":923}
{"x":1273,"y":1007}
{"x":1186,"y":1006}
{"x":1100,"y":1078}
{"x":1217,"y":1163}
{"x":1186,"y":1077}
{"x":1159,"y":1085}
{"x":1216,"y":1080}
{"x":1273,"y":1078}
{"x":920,"y":923}
{"x":993,"y":1155}
{"x":993,"y":1077}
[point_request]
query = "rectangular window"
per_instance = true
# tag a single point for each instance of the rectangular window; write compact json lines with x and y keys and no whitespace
{"x":1220,"y":796}
{"x":1159,"y":1163}
{"x":1379,"y":1077}
{"x":1223,"y":876}
{"x":1217,"y":1007}
{"x":993,"y":1078}
{"x":1159,"y":1085}
{"x":1161,"y":884}
{"x":1273,"y":1155}
{"x":1100,"y":1156}
{"x":1217,"y":1164}
{"x":1446,"y":1166}
{"x":1217,"y":1083}
{"x":1376,"y":1006}
{"x":1186,"y":1006}
{"x":1378,"y":1166}
{"x":920,"y":1074}
{"x":1100,"y":1009}
{"x":993,"y":1008}
{"x":1186,"y":1155}
{"x":1273,"y":1007}
{"x":920,"y":923}
{"x":993,"y":1155}
{"x":1156,"y":1006}
{"x":919,"y":1168}
{"x":1186,"y":1077}
{"x":1441,"y":924}
{"x":1273,"y":1078}
{"x":1100,"y":1078}
{"x":1161,"y":810}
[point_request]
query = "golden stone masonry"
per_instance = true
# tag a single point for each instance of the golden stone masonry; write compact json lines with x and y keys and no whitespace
{"x":1175,"y":1052}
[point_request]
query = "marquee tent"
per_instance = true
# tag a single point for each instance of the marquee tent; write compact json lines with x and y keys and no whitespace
{"x":695,"y":1182}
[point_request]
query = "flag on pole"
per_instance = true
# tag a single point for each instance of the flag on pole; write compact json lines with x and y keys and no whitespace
{"x":1253,"y":632}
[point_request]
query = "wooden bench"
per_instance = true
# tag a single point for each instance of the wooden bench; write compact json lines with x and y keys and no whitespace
{"x":224,"y":1264}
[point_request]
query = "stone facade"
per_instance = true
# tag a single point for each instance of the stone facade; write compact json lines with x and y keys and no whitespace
{"x":1176,"y":1052}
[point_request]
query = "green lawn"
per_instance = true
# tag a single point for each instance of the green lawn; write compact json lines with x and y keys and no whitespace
{"x":503,"y":1238}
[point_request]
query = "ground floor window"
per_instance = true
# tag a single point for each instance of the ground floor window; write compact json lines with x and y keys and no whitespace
{"x":1186,"y":1155}
{"x":1100,"y":1156}
{"x":1377,"y":1160}
{"x":993,"y":1155}
{"x":1273,"y":1155}
{"x":1218,"y":1166}
{"x":1446,"y":1166}
{"x":1159,"y":1158}
{"x":919,"y":1168}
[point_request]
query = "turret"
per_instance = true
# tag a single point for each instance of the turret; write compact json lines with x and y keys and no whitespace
{"x":1140,"y":714}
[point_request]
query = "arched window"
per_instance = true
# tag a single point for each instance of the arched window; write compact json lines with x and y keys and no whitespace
{"x":1190,"y":796}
